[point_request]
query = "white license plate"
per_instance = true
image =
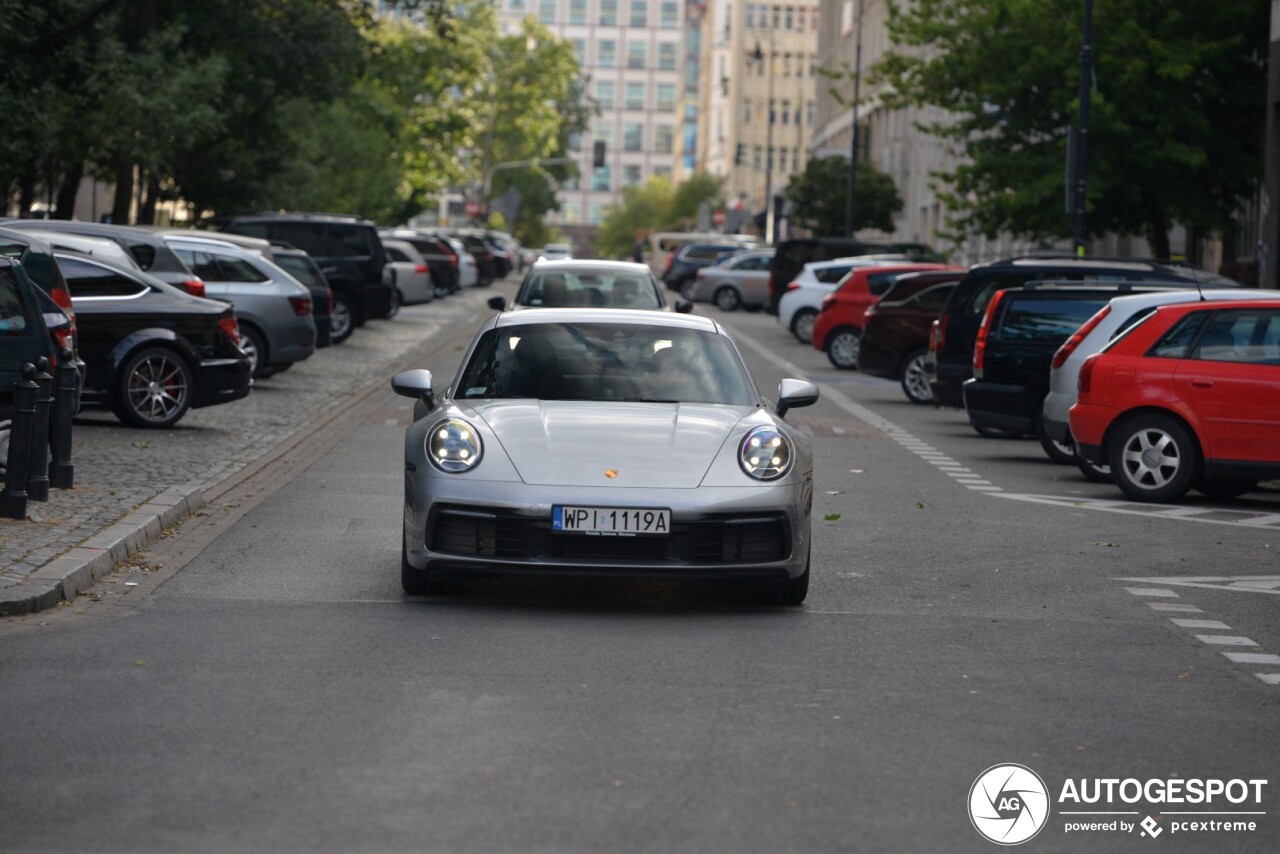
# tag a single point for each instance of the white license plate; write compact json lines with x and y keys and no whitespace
{"x":611,"y":521}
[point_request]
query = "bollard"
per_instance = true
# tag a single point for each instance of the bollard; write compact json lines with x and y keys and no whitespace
{"x":38,"y":473}
{"x":13,"y":500}
{"x":62,"y":474}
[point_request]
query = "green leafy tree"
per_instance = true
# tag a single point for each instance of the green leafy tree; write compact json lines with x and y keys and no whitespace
{"x":819,"y":195}
{"x":654,"y":206}
{"x":691,"y":193}
{"x":1175,"y":124}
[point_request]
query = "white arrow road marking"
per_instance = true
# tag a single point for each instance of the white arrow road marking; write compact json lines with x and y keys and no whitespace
{"x":1201,"y":514}
{"x":1244,"y":583}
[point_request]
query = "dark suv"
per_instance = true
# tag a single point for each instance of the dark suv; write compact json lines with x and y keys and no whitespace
{"x":792,"y":255}
{"x":950,"y":360}
{"x":683,"y":264}
{"x":347,"y":249}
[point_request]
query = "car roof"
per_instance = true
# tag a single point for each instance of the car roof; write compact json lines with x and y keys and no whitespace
{"x":633,"y":316}
{"x":1183,"y":295}
{"x":73,"y":226}
{"x":570,"y":265}
{"x":1254,"y":302}
{"x":208,"y":242}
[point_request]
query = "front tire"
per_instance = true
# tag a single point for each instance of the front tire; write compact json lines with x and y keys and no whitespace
{"x":688,"y":291}
{"x":843,"y":346}
{"x":915,"y":384}
{"x":794,"y":590}
{"x":154,"y":389}
{"x":727,"y":299}
{"x":397,"y":300}
{"x":1154,"y":458}
{"x":802,"y":325}
{"x":420,"y":582}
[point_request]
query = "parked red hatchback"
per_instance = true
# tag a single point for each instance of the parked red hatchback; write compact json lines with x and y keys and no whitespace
{"x":838,"y":329}
{"x":1188,"y":398}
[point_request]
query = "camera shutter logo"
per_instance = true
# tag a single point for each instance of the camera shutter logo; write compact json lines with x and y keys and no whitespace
{"x":1008,"y":804}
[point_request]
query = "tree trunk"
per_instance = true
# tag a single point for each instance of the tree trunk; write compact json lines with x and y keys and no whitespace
{"x":147,"y":210}
{"x":65,"y":204}
{"x":1158,"y":234}
{"x":124,"y":192}
{"x":26,"y":195}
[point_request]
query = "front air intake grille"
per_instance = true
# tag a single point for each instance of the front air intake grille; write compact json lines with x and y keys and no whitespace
{"x":718,"y":540}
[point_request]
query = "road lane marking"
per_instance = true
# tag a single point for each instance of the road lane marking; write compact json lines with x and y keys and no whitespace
{"x":1200,"y":624}
{"x":1253,"y":657}
{"x":1225,"y":640}
{"x":1269,"y":678}
{"x":1203,"y":515}
{"x":920,"y":448}
{"x":1238,"y":583}
{"x":1152,"y":591}
{"x":1174,"y":606}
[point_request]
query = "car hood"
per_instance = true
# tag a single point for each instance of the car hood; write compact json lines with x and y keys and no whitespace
{"x":573,"y":443}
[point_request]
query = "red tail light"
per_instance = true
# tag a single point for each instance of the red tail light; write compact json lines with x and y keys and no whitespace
{"x":453,"y":260}
{"x":671,"y":259}
{"x":940,"y":327}
{"x":421,"y":268}
{"x":1085,"y":381}
{"x":329,"y":306}
{"x":231,"y":327}
{"x":1065,"y":351}
{"x":301,"y":305}
{"x":933,"y":337}
{"x":980,"y":347}
{"x":794,"y":286}
{"x":62,"y":297}
{"x":195,"y":287}
{"x":65,"y":339}
{"x":866,"y":315}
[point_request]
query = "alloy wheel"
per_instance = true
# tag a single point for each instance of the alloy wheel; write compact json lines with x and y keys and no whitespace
{"x":1152,"y":458}
{"x":340,"y":320}
{"x":158,"y":388}
{"x":915,"y":384}
{"x":802,"y":325}
{"x":843,"y":349}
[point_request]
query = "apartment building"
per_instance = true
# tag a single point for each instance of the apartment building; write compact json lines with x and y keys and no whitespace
{"x":632,"y":54}
{"x":758,"y":86}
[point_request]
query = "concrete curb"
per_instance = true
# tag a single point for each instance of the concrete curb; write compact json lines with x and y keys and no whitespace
{"x":74,"y":570}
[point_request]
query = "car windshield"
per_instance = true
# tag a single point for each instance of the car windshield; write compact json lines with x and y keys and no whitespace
{"x":566,"y":288}
{"x":606,"y":362}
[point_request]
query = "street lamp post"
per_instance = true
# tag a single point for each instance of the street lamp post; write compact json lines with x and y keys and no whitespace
{"x":851,"y":204}
{"x":1082,"y":129}
{"x":768,"y":134}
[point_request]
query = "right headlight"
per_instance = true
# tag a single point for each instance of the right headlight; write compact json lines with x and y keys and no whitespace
{"x":453,"y":446}
{"x":765,"y":454}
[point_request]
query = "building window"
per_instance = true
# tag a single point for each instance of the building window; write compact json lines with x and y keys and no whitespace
{"x":751,"y":16}
{"x":603,"y":132}
{"x":810,"y":113}
{"x":635,"y":96}
{"x":602,"y":179}
{"x":630,"y":176}
{"x":547,"y":11}
{"x":782,"y":159}
{"x":580,"y":51}
{"x":608,"y":13}
{"x":635,"y":54}
{"x":789,"y":22}
{"x":633,"y":137}
{"x":570,"y":212}
{"x":577,"y":11}
{"x":516,"y":5}
{"x":607,"y":94}
{"x":667,"y":56}
{"x":757,"y":157}
{"x":670,"y":18}
{"x":639,"y":13}
{"x":773,"y":118}
{"x":575,"y":141}
{"x":662,"y":172}
{"x":596,"y":215}
{"x":800,"y":18}
{"x":777,"y":17}
{"x":666,"y":98}
{"x":663,"y":139}
{"x":786,"y":112}
{"x":607,"y":53}
{"x":747,"y":114}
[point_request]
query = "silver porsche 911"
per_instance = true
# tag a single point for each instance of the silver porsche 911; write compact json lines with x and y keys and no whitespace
{"x":609,"y":442}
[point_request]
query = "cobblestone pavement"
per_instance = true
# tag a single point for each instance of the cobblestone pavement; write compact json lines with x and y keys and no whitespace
{"x":119,"y":468}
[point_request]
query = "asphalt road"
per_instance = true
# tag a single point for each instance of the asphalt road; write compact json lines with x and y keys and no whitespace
{"x":266,"y":686}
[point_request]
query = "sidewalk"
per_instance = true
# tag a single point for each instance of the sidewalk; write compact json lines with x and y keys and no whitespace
{"x":131,"y":484}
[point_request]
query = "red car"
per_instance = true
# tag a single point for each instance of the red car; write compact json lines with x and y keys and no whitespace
{"x":838,"y":329}
{"x":1188,"y":398}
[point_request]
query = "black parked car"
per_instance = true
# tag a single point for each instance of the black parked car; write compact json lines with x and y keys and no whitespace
{"x":683,"y":264}
{"x":303,"y":267}
{"x":24,"y":338}
{"x":792,"y":255}
{"x":147,"y":248}
{"x":151,"y":351}
{"x":347,"y":249}
{"x":486,"y":263}
{"x":895,"y":335}
{"x":950,"y":360}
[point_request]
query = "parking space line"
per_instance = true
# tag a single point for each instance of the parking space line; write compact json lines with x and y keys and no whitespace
{"x":1269,"y":678}
{"x":1225,"y":640}
{"x":1203,"y":515}
{"x":1174,"y":606}
{"x":1200,"y":624}
{"x":1253,"y":657}
{"x":1152,"y":591}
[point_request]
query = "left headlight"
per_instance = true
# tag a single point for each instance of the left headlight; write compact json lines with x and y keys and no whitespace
{"x":765,"y":454}
{"x":454,"y":446}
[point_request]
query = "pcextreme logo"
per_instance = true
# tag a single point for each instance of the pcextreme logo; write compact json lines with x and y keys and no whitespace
{"x":1008,"y":804}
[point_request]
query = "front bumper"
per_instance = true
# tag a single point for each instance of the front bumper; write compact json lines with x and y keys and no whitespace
{"x":759,"y":533}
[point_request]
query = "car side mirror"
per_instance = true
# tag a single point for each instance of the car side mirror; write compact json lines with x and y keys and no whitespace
{"x":415,"y":384}
{"x":683,"y":306}
{"x":497,"y":303}
{"x":795,"y":393}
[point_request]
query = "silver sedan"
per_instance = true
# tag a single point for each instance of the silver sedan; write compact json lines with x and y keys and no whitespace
{"x":611,"y":442}
{"x":740,"y":281}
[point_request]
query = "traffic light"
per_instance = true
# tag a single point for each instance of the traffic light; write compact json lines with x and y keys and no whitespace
{"x":597,"y":154}
{"x":740,"y":155}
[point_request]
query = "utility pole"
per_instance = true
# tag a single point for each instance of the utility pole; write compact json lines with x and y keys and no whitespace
{"x":1269,"y":239}
{"x":1082,"y":130}
{"x":768,"y":136}
{"x":851,"y":204}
